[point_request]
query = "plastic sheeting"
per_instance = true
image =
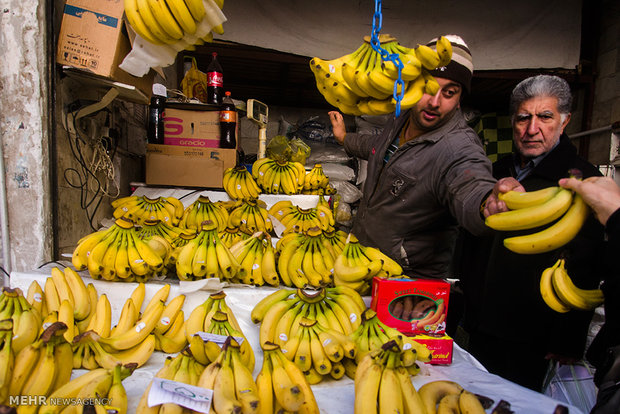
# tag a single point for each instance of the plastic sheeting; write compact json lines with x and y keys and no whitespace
{"x":333,"y":397}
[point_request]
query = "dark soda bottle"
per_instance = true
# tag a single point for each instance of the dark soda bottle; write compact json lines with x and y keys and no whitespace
{"x":155,"y":128}
{"x":215,"y":81}
{"x":228,"y":123}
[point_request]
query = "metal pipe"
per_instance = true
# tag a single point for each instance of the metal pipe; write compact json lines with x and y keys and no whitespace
{"x":591,"y":131}
{"x":4,"y":223}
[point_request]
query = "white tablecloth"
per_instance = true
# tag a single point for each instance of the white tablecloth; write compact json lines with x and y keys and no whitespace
{"x":333,"y":397}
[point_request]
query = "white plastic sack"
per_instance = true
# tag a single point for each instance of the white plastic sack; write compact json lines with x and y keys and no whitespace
{"x":572,"y":383}
{"x":349,"y":193}
{"x":338,"y":172}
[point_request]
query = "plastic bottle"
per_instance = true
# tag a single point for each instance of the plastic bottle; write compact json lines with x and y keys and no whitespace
{"x":215,"y":81}
{"x":157,"y":108}
{"x":228,"y":123}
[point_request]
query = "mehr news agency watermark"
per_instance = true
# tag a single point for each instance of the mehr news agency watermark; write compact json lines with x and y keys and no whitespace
{"x":41,"y":400}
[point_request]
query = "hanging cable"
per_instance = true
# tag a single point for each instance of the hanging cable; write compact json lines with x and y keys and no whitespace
{"x":377,"y":22}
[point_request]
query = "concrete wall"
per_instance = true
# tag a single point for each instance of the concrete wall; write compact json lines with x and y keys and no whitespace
{"x":24,"y":130}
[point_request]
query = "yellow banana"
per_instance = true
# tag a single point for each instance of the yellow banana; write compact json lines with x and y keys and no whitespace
{"x":516,"y":199}
{"x":571,"y":295}
{"x":554,"y":236}
{"x":531,"y":217}
{"x":81,"y":299}
{"x":547,"y":292}
{"x":470,"y":404}
{"x":433,"y":391}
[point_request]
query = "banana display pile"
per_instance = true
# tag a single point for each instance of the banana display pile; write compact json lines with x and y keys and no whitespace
{"x":166,"y":22}
{"x":362,"y":83}
{"x":557,"y":208}
{"x":560,"y":293}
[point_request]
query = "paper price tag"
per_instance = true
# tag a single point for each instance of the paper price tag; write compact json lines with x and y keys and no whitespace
{"x":218,"y":339}
{"x":189,"y":396}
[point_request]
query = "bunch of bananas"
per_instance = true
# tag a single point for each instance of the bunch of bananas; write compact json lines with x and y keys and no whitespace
{"x":7,"y":358}
{"x":257,"y":260}
{"x":564,"y":210}
{"x":26,"y":319}
{"x":205,"y":256}
{"x":183,"y":368}
{"x":202,"y":210}
{"x":42,"y":366}
{"x":170,"y":330}
{"x":96,"y":385}
{"x":231,"y":235}
{"x":167,"y":22}
{"x":337,"y":308}
{"x":117,"y":254}
{"x":201,"y":320}
{"x":383,"y":384}
{"x":362,"y":83}
{"x":297,"y":219}
{"x":317,"y":349}
{"x":305,"y":260}
{"x":251,"y":216}
{"x":239,"y":183}
{"x":356,"y":265}
{"x":317,"y":182}
{"x":176,"y":244}
{"x":282,"y":386}
{"x":168,"y":210}
{"x":448,"y":396}
{"x":279,"y":177}
{"x":372,"y":334}
{"x":158,"y":228}
{"x":560,"y":293}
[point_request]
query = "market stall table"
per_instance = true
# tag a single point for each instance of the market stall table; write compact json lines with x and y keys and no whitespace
{"x":333,"y":397}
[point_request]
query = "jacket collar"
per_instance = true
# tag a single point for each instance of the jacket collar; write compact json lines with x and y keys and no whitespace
{"x":456,"y":121}
{"x":554,"y":166}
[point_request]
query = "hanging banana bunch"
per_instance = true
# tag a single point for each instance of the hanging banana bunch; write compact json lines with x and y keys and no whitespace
{"x":170,"y":21}
{"x":169,"y":210}
{"x":202,"y":210}
{"x":251,"y":216}
{"x":276,"y":177}
{"x":363,"y":83}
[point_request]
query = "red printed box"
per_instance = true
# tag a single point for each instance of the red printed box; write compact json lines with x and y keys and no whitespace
{"x":441,"y":348}
{"x":413,"y":306}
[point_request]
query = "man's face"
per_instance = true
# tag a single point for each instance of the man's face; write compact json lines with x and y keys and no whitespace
{"x":433,"y":111}
{"x":537,"y":126}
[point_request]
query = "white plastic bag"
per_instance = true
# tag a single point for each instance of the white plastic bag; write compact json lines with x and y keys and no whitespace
{"x":571,"y":383}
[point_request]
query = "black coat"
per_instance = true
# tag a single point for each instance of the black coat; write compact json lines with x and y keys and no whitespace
{"x":502,"y":296}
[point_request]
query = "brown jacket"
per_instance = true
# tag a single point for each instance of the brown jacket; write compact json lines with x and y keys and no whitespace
{"x":411,"y":207}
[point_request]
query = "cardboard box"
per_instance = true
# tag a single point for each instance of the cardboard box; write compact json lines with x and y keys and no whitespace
{"x":441,"y":348}
{"x":192,"y":128}
{"x":92,"y":38}
{"x":178,"y":166}
{"x":413,"y":306}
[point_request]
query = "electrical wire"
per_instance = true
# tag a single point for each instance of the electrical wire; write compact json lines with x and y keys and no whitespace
{"x":85,"y":177}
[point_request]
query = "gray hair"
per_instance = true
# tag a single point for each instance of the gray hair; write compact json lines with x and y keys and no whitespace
{"x":542,"y":85}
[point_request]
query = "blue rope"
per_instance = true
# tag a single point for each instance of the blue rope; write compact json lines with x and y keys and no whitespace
{"x":377,"y":22}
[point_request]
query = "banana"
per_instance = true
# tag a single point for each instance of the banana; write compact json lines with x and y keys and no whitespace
{"x":570,"y":294}
{"x":139,"y":354}
{"x":470,"y":404}
{"x":367,"y":383}
{"x":7,"y":359}
{"x":169,"y":314}
{"x":141,"y":330}
{"x":138,"y":24}
{"x":25,"y":326}
{"x":117,"y":394}
{"x":390,"y":393}
{"x":554,"y":236}
{"x":412,"y":402}
{"x":246,"y":390}
{"x":164,"y":17}
{"x":264,"y":387}
{"x":516,"y":200}
{"x":129,"y":316}
{"x":288,"y":392}
{"x":449,"y":404}
{"x":65,"y":315}
{"x":320,"y":361}
{"x":182,"y":15}
{"x":68,"y":391}
{"x":224,"y":398}
{"x":51,"y":295}
{"x":38,"y":385}
{"x":531,"y":217}
{"x":100,"y":322}
{"x":24,"y":362}
{"x":432,"y":392}
{"x":174,"y":339}
{"x":428,"y":57}
{"x":547,"y":292}
{"x":81,"y":301}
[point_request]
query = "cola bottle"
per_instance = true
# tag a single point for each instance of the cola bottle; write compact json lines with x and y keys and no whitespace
{"x":215,"y":82}
{"x":228,"y":122}
{"x":155,"y":128}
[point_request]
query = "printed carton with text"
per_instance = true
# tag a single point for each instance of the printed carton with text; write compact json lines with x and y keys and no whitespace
{"x":192,"y":128}
{"x":441,"y":348}
{"x":413,"y":306}
{"x":93,"y":38}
